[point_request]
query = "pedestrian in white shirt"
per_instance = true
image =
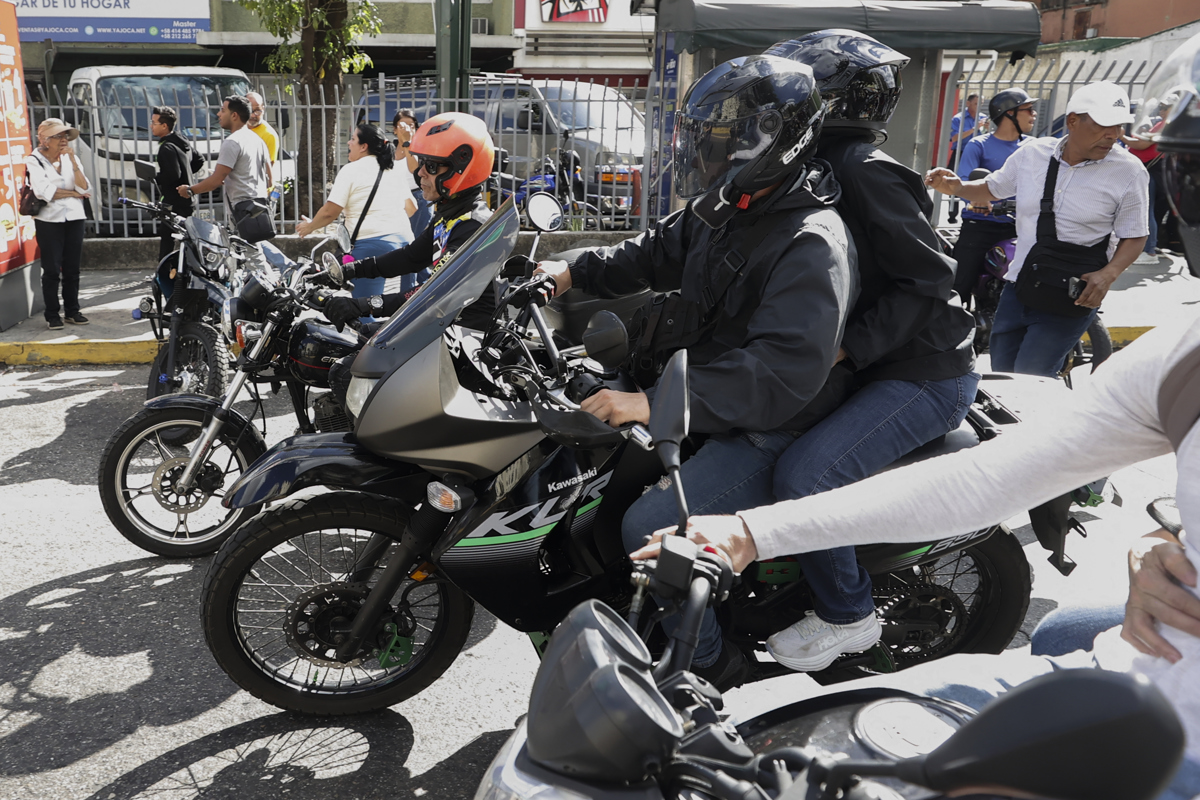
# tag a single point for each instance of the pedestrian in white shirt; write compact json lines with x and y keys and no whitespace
{"x":1065,"y":258}
{"x":56,"y":176}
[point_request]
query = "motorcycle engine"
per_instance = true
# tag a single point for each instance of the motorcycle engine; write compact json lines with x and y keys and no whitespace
{"x":329,"y":416}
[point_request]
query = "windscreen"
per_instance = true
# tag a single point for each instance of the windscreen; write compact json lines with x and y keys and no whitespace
{"x":463,"y":279}
{"x":124,"y":102}
{"x":204,"y":231}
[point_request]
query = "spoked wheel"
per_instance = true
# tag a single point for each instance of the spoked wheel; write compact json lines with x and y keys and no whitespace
{"x":201,"y":361}
{"x":282,"y":595}
{"x":968,"y":601}
{"x":139,"y":478}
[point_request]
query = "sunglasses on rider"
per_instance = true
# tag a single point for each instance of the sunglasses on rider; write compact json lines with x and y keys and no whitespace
{"x":429,"y":166}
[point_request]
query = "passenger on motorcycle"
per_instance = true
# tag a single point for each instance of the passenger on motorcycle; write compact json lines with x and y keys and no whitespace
{"x":454,"y":154}
{"x":907,"y":342}
{"x":764,"y":271}
{"x":1012,"y":112}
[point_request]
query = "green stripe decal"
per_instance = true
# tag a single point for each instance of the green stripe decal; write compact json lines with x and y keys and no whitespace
{"x":589,"y":506}
{"x":507,"y":538}
{"x":918,"y":551}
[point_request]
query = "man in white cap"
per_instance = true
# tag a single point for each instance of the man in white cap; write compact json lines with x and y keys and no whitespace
{"x":1073,"y":195}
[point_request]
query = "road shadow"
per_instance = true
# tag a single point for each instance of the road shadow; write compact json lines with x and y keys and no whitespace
{"x":87,"y":660}
{"x":306,"y":759}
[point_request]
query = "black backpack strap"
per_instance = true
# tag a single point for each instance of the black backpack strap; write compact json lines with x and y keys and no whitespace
{"x":1179,"y":399}
{"x":735,"y":262}
{"x":366,"y":208}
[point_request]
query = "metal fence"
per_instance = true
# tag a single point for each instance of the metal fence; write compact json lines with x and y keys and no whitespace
{"x":593,"y":130}
{"x":1051,"y":80}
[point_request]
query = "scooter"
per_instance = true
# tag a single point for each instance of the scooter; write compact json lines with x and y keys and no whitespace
{"x":606,"y":722}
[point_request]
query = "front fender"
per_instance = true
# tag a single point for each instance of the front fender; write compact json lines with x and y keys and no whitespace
{"x":335,"y":460}
{"x":235,"y":420}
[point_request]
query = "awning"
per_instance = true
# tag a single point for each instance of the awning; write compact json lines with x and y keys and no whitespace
{"x":754,"y":25}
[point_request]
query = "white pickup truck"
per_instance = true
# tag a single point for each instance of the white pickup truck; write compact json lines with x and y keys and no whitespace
{"x":111,"y":106}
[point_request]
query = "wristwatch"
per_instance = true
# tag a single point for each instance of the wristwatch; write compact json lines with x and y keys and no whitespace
{"x":191,"y":193}
{"x":375,"y":302}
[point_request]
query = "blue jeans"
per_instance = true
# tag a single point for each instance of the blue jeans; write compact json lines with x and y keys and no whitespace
{"x":1065,"y":630}
{"x":729,"y":473}
{"x":1032,"y":342}
{"x":880,"y":423}
{"x":419,"y":220}
{"x":375,"y":246}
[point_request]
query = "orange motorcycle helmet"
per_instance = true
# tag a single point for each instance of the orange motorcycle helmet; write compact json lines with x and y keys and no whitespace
{"x":460,"y":141}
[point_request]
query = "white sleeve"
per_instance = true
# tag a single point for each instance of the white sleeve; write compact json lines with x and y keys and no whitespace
{"x":1107,"y":427}
{"x":1003,"y":182}
{"x":1133,"y":210}
{"x":342,"y":185}
{"x":231,"y":149}
{"x":39,"y":179}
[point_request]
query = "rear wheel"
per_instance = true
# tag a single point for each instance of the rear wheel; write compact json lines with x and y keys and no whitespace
{"x":282,"y":594}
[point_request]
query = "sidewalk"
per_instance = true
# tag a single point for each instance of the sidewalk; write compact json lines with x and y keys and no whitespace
{"x":1143,"y":297}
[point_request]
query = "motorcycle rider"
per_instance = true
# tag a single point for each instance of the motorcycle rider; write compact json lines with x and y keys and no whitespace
{"x":764,"y":269}
{"x":908,"y":339}
{"x":454,"y":154}
{"x":1012,"y":112}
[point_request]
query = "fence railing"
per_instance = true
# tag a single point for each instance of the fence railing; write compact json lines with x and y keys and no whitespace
{"x":537,"y":124}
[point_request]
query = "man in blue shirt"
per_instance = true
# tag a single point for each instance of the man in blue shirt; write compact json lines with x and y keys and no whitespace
{"x":962,"y":129}
{"x":1013,"y":113}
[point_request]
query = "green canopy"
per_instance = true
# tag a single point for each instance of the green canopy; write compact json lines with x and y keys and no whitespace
{"x":753,"y":25}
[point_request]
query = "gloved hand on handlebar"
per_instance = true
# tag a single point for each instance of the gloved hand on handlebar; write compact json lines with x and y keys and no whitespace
{"x":539,"y":289}
{"x":340,"y":310}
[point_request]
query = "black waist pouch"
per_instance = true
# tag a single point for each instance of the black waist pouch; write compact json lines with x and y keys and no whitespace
{"x":1045,"y":279}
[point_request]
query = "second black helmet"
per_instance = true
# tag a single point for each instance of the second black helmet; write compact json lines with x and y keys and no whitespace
{"x":1006,"y":103}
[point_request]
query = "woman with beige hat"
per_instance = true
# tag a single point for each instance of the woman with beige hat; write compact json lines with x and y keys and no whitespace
{"x":56,"y":176}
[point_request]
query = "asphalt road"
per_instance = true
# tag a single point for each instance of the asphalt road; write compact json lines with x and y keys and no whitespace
{"x":107,"y":691}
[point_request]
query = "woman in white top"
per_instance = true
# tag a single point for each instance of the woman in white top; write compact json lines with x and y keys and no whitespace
{"x":385,"y":227}
{"x":56,"y":176}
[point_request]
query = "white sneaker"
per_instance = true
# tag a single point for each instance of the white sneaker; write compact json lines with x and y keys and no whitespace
{"x":813,"y":644}
{"x":1146,"y":258}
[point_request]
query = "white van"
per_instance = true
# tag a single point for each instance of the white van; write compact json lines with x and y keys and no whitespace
{"x":111,"y":107}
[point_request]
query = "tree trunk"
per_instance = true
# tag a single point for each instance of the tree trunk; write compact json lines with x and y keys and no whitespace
{"x":321,"y":88}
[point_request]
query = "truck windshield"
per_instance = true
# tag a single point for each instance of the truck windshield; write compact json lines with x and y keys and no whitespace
{"x":124,"y":102}
{"x":585,"y":105}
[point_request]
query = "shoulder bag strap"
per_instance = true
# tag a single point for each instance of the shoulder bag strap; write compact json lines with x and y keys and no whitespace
{"x":734,"y":263}
{"x":1179,"y":399}
{"x":1047,"y":229}
{"x":366,"y":208}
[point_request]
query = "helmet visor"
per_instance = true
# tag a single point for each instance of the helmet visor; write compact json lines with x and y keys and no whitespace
{"x":1171,"y":91}
{"x":1182,"y":178}
{"x":710,"y":151}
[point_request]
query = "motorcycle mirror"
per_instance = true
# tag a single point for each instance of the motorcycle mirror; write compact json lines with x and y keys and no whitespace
{"x":544,"y":211}
{"x":671,"y":414}
{"x":334,"y":267}
{"x":145,"y":170}
{"x":978,"y":173}
{"x":343,"y":239}
{"x":1047,"y":738}
{"x":606,"y":340}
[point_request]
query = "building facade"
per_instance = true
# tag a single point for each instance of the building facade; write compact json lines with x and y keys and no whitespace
{"x":1069,"y":20}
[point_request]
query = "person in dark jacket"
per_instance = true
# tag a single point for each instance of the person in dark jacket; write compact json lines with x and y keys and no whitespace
{"x":765,"y":340}
{"x":454,"y":152}
{"x":177,"y":162}
{"x":908,"y":339}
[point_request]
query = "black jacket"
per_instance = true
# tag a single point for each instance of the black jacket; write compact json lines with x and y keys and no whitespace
{"x":908,"y":323}
{"x":454,"y":222}
{"x":779,"y":324}
{"x":177,"y":163}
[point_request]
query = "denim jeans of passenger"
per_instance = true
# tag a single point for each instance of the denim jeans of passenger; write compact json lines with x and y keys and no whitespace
{"x":1070,"y":628}
{"x":1032,"y":342}
{"x":880,"y":423}
{"x":375,"y":246}
{"x":727,"y":474}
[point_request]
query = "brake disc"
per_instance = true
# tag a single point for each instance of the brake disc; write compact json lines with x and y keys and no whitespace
{"x":166,"y":486}
{"x":319,"y":622}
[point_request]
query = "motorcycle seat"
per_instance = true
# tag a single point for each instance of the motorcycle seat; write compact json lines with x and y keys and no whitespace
{"x":960,"y":438}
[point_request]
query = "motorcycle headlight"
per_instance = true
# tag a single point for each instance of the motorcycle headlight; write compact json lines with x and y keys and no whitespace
{"x":504,"y":780}
{"x":357,"y":394}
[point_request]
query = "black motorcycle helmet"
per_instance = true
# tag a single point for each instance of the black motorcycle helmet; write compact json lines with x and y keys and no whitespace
{"x":859,"y":77}
{"x":744,"y":126}
{"x":1005,"y":104}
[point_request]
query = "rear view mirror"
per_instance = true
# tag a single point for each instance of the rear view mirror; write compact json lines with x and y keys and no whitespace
{"x":333,"y":266}
{"x":671,"y":414}
{"x":544,"y":211}
{"x":606,"y":340}
{"x":343,"y":239}
{"x":1075,"y":735}
{"x":145,"y":170}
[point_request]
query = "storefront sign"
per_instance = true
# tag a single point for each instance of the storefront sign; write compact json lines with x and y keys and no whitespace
{"x":574,"y":10}
{"x":112,"y":20}
{"x":18,"y":242}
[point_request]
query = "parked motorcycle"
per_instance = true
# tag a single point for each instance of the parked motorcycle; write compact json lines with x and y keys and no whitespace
{"x":606,"y":722}
{"x":164,"y":471}
{"x":472,"y":476}
{"x":560,"y":176}
{"x":188,"y":289}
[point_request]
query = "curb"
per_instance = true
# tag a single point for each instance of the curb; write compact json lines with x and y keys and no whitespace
{"x":1123,"y":335}
{"x":82,"y":351}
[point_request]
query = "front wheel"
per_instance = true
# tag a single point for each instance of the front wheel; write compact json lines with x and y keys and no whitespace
{"x":201,"y":361}
{"x":282,"y":594}
{"x":139,"y":473}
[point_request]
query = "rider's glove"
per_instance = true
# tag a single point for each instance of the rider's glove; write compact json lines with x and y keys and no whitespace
{"x":363,"y":268}
{"x":340,"y":310}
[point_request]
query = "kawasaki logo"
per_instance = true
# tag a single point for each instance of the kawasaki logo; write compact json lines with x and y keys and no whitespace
{"x":578,"y":479}
{"x":515,"y":525}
